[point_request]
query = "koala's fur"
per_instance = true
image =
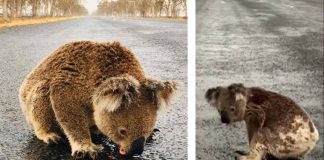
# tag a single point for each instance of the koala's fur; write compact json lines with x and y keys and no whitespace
{"x":276,"y":125}
{"x":86,"y":84}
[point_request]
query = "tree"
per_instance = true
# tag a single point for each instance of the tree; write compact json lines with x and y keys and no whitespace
{"x":5,"y":10}
{"x":158,"y":7}
{"x":34,"y":8}
{"x":18,"y":8}
{"x":143,"y":7}
{"x":53,"y":6}
{"x":184,"y":5}
{"x":174,"y":7}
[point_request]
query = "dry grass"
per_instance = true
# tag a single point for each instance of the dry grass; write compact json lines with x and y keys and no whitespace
{"x":30,"y":21}
{"x":154,"y":18}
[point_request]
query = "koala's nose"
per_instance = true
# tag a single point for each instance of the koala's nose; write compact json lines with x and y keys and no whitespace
{"x":137,"y":147}
{"x":224,"y":117}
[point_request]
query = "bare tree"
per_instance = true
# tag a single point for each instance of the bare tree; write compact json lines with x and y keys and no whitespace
{"x":18,"y":8}
{"x":167,"y":6}
{"x":184,"y":5}
{"x":158,"y":7}
{"x":174,"y":7}
{"x":34,"y":8}
{"x":53,"y":6}
{"x":142,"y":8}
{"x":5,"y":10}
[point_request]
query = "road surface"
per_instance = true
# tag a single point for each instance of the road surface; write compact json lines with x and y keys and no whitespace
{"x":275,"y":44}
{"x":160,"y":45}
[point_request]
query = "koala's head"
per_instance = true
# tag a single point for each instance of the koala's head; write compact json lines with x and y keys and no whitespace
{"x":229,"y":101}
{"x":125,"y":110}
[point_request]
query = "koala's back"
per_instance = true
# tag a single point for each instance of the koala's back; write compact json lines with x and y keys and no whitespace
{"x":278,"y":108}
{"x":83,"y":65}
{"x":291,"y":129}
{"x":87,"y":63}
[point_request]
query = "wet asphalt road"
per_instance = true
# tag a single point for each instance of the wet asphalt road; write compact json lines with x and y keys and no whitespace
{"x":160,"y":45}
{"x":275,"y":44}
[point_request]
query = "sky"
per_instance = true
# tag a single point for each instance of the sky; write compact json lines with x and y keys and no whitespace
{"x":91,"y":5}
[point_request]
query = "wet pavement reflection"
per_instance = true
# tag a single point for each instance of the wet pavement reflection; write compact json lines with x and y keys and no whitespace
{"x":38,"y":150}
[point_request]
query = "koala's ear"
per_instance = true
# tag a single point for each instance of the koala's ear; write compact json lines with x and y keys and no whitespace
{"x":115,"y":92}
{"x":238,"y":91}
{"x":212,"y":93}
{"x":160,"y":92}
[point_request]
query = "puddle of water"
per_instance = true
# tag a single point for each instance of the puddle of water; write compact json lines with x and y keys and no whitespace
{"x":37,"y":149}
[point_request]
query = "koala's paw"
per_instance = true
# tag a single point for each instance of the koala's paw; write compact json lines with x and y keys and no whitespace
{"x":86,"y":151}
{"x":50,"y":137}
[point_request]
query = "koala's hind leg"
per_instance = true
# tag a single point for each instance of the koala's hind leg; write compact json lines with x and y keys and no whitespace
{"x":70,"y":113}
{"x":39,"y":112}
{"x":257,"y":148}
{"x":255,"y":153}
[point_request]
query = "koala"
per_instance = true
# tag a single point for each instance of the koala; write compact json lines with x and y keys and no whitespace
{"x":84,"y":85}
{"x":276,"y":125}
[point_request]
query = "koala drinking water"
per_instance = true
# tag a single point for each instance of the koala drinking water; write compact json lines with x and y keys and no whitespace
{"x":86,"y":84}
{"x":276,"y":125}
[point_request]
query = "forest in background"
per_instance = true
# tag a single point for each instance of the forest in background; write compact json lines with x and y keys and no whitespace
{"x":143,"y":8}
{"x":11,"y":9}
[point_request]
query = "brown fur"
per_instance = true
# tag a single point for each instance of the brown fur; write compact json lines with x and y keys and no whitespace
{"x":275,"y":123}
{"x":85,"y":84}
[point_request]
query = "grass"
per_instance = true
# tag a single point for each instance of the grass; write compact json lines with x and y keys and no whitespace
{"x":154,"y":18}
{"x":30,"y":21}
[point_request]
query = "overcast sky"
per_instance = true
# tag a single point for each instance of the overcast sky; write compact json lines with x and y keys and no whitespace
{"x":91,"y":5}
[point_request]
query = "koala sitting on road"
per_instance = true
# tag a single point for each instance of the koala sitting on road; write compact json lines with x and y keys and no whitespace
{"x":86,"y":84}
{"x":276,"y":125}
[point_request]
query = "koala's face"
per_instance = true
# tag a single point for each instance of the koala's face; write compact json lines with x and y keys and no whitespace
{"x":126,"y":111}
{"x":229,"y":101}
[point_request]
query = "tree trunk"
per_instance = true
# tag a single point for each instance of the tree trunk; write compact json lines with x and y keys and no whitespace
{"x":14,"y":9}
{"x":52,"y":5}
{"x":39,"y":9}
{"x":46,"y":7}
{"x":5,"y":10}
{"x":18,"y":8}
{"x":34,"y":8}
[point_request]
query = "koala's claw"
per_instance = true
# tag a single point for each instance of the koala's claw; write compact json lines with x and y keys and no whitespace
{"x":85,"y":155}
{"x":242,"y":152}
{"x":98,"y":148}
{"x":93,"y":155}
{"x":88,"y":152}
{"x":51,"y":138}
{"x":79,"y":155}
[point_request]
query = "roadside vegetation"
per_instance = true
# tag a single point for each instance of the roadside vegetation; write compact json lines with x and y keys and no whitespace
{"x":143,"y":8}
{"x":23,"y":12}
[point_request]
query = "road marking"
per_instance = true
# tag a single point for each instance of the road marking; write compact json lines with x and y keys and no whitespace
{"x":223,"y":2}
